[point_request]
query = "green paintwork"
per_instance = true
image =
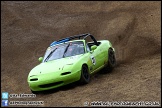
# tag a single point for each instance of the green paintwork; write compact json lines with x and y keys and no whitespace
{"x":40,"y":59}
{"x":51,"y":71}
{"x":93,"y":47}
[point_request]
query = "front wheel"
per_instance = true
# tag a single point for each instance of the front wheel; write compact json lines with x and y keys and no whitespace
{"x":34,"y":92}
{"x":85,"y":76}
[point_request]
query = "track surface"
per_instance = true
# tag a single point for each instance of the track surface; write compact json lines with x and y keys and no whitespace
{"x":133,"y":28}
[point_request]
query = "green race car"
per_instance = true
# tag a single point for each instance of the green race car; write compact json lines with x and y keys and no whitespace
{"x":69,"y":60}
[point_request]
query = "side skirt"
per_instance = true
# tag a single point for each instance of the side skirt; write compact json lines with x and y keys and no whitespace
{"x":98,"y":69}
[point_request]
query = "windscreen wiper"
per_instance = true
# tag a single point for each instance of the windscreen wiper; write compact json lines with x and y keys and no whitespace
{"x":49,"y":55}
{"x":66,"y":49}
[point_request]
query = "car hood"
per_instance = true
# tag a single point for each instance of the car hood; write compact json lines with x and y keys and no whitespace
{"x":58,"y":65}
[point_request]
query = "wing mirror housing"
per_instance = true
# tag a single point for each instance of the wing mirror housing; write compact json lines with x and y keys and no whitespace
{"x":93,"y":47}
{"x":40,"y":59}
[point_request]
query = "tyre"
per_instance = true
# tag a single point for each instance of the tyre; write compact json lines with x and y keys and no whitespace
{"x":34,"y":92}
{"x":111,"y":59}
{"x":85,"y":76}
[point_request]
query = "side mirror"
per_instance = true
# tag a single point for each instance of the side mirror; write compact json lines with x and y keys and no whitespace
{"x":93,"y":47}
{"x":40,"y":59}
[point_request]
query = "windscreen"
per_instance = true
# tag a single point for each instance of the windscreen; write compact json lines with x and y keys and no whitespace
{"x":64,"y":50}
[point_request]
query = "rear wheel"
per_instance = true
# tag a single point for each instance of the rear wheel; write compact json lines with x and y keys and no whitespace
{"x":85,"y":76}
{"x":111,"y":59}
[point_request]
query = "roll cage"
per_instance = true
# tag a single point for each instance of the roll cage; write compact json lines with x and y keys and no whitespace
{"x":80,"y":36}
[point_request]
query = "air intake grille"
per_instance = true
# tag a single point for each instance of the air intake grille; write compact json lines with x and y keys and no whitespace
{"x":65,"y":73}
{"x":34,"y":79}
{"x":51,"y":84}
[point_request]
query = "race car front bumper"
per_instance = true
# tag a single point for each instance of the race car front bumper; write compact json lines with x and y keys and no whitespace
{"x":52,"y":80}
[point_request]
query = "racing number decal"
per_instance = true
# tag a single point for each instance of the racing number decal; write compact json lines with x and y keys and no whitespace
{"x":93,"y":60}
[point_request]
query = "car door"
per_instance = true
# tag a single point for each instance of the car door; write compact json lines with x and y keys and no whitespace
{"x":94,"y":58}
